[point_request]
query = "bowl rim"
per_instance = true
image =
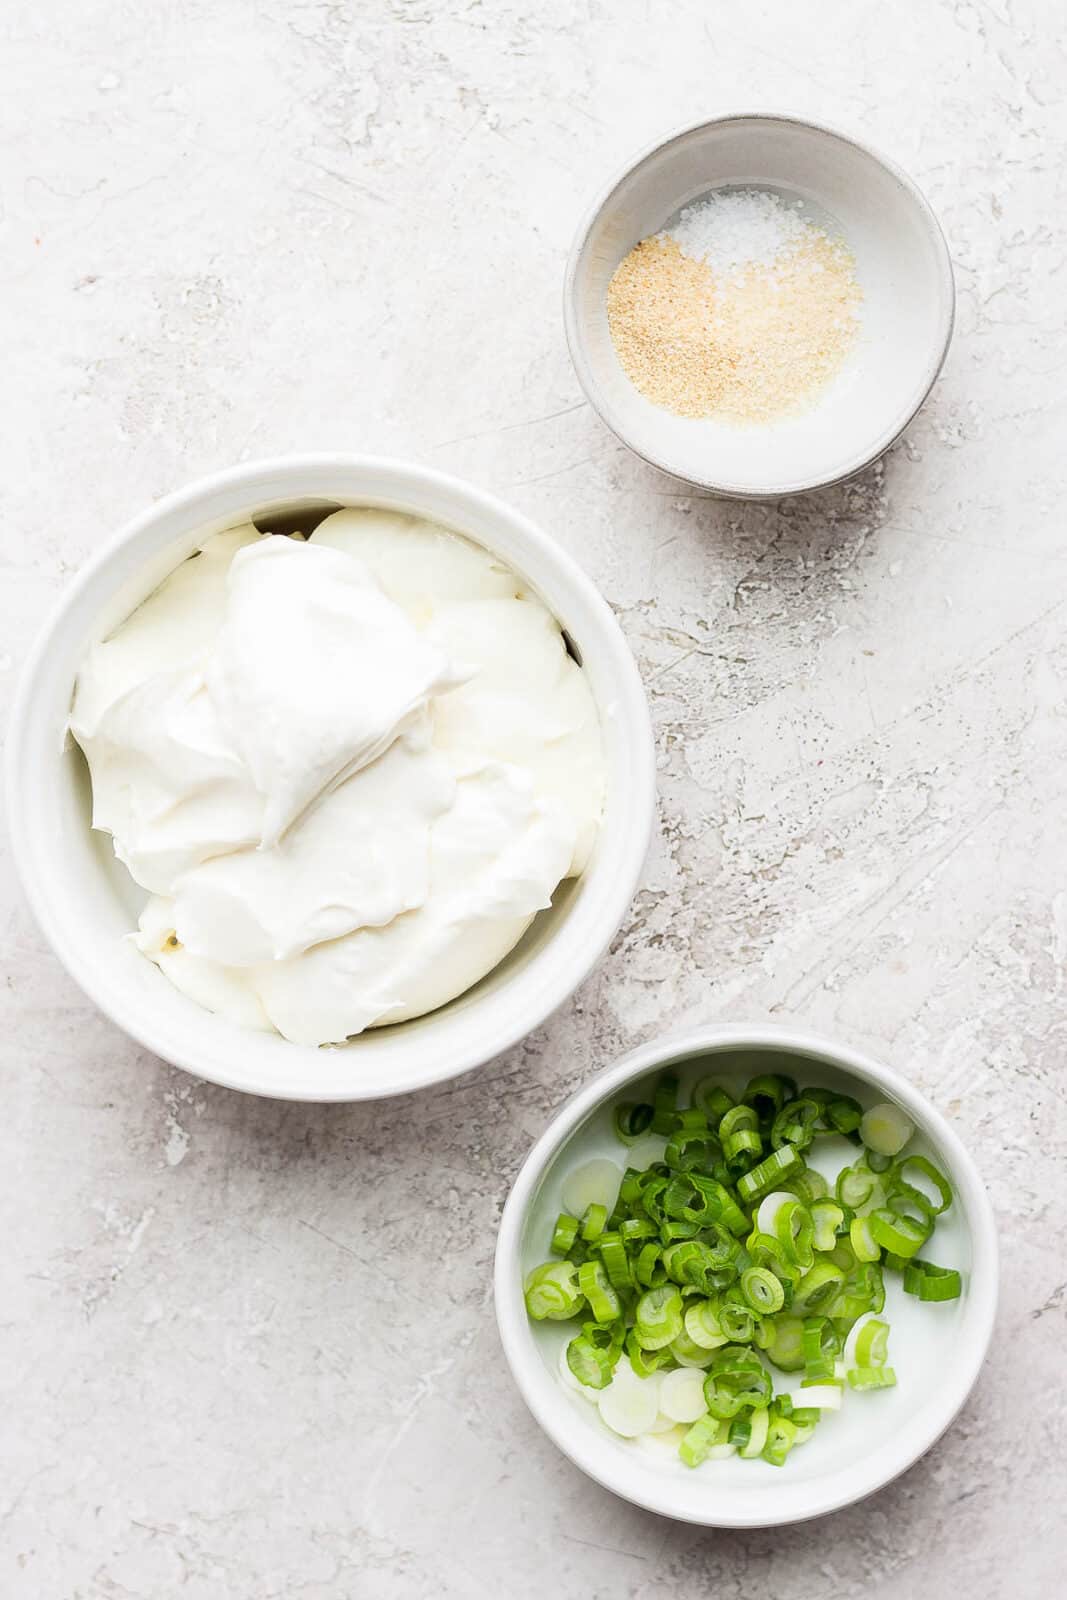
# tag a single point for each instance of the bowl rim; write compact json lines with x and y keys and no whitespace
{"x":862,"y":459}
{"x":578,"y":1442}
{"x":296,"y":474}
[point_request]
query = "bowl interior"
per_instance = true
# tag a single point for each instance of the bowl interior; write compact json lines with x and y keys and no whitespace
{"x":87,"y":904}
{"x":872,"y":1437}
{"x":906,"y":318}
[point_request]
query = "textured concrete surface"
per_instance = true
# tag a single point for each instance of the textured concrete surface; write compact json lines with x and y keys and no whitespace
{"x":248,"y":1348}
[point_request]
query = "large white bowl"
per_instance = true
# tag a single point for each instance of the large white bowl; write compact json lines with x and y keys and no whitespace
{"x":86,"y":903}
{"x":936,"y":1350}
{"x":902,"y":264}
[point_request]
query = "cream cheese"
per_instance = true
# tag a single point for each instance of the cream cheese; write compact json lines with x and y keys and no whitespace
{"x":349,"y":771}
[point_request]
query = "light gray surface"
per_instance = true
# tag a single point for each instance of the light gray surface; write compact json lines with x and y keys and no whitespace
{"x":248,"y":1348}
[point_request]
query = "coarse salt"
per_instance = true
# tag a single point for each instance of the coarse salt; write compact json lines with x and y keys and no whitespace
{"x":737,"y":228}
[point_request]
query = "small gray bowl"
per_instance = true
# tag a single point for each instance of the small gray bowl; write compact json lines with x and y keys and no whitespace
{"x":904,"y":271}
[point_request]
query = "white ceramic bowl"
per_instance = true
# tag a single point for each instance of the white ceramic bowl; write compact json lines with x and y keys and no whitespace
{"x":85,"y":901}
{"x":936,"y":1350}
{"x":902,"y":264}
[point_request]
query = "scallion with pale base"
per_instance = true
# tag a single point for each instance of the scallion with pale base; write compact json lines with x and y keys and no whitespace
{"x":719,"y":1258}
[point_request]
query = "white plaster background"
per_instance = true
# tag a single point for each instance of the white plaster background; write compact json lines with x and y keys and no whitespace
{"x":248,"y":1348}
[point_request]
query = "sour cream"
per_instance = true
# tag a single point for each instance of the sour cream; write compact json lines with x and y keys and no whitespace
{"x":349,"y":771}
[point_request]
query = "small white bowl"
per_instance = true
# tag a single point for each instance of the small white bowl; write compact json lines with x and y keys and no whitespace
{"x":86,"y":902}
{"x":904,"y":272}
{"x":936,"y":1350}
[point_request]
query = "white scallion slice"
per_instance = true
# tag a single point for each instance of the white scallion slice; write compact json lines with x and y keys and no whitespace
{"x":825,"y":1396}
{"x":681,"y":1395}
{"x":629,"y":1406}
{"x":663,"y":1443}
{"x":662,"y":1424}
{"x":719,"y":1452}
{"x":759,"y":1421}
{"x":594,"y":1184}
{"x":767,"y":1215}
{"x":641,"y":1155}
{"x":885,"y":1129}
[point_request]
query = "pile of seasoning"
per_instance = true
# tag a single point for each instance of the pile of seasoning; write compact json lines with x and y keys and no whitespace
{"x":741,"y":311}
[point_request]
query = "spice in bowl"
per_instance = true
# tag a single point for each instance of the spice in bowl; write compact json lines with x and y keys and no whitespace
{"x":742,"y":311}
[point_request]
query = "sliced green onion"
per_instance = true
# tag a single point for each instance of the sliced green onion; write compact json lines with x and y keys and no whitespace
{"x":687,"y":1353}
{"x":740,"y":1432}
{"x":885,"y":1129}
{"x":795,"y":1124}
{"x":551,"y":1291}
{"x":862,"y":1290}
{"x":817,"y":1288}
{"x":808,"y":1185}
{"x":644,"y":1362}
{"x":633,"y":1230}
{"x":564,"y":1233}
{"x":658,"y":1317}
{"x":692,"y":1149}
{"x":685,"y":1261}
{"x":632,"y":1121}
{"x":764,"y":1250}
{"x":872,"y":1344}
{"x":689,"y":1200}
{"x":767,"y":1094}
{"x":710,"y":1097}
{"x":793,"y":1230}
{"x":842,"y":1255}
{"x":648,"y":1268}
{"x":718,"y":1246}
{"x":757,"y":1424}
{"x":665,"y":1105}
{"x":804,"y":1420}
{"x":591,"y":1366}
{"x":855,"y":1185}
{"x":821,"y":1344}
{"x":843,"y":1114}
{"x":911,"y":1170}
{"x":594,"y":1222}
{"x":736,"y":1318}
{"x":616,"y":1262}
{"x":702,"y":1436}
{"x":903,"y":1235}
{"x":872,"y":1378}
{"x":826,"y":1217}
{"x":594,"y":1283}
{"x":781,"y":1437}
{"x":568,"y":1379}
{"x":786,"y":1349}
{"x":730,"y":1390}
{"x":739,"y":1133}
{"x":762,"y":1290}
{"x":652,"y":1187}
{"x":931,"y":1282}
{"x":703,"y":1326}
{"x":752,"y":1186}
{"x":862,"y":1240}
